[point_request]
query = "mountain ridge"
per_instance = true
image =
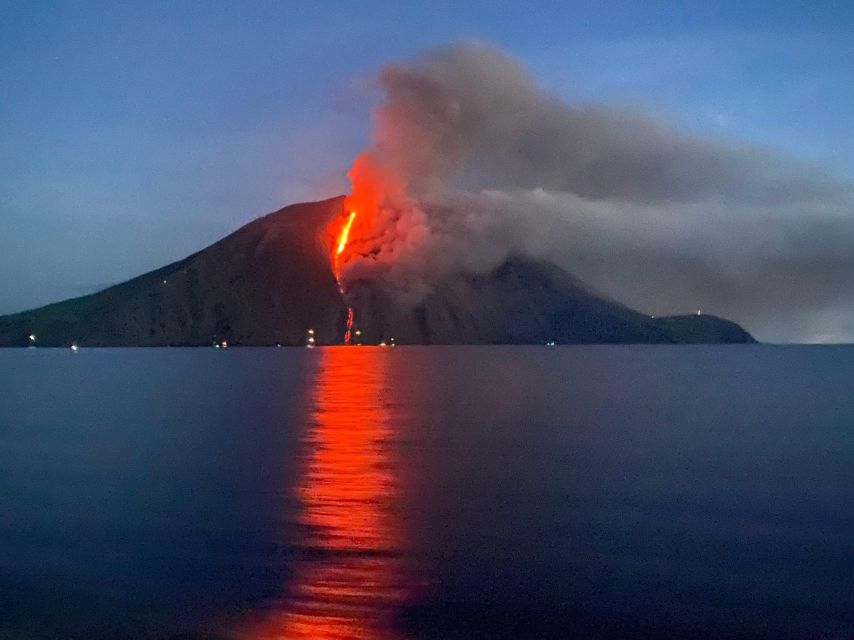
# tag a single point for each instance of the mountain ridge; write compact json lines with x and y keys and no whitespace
{"x":270,"y":281}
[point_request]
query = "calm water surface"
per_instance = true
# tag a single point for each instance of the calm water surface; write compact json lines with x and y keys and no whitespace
{"x":483,"y":492}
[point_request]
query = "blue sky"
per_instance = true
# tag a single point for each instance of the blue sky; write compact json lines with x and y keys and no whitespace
{"x":135,"y":133}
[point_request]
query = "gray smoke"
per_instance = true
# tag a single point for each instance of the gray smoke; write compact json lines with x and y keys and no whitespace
{"x":493,"y":165}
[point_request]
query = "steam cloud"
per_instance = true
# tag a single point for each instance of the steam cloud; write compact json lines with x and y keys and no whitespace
{"x":478,"y":162}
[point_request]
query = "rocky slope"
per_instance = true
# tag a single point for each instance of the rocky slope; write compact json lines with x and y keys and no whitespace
{"x":270,"y":281}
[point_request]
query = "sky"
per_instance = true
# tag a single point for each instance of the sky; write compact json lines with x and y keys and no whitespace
{"x":134,"y":134}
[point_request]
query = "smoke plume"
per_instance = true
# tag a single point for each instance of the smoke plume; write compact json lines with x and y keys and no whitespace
{"x":472,"y":161}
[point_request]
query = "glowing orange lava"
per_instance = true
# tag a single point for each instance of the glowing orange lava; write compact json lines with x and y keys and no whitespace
{"x":348,"y":334}
{"x":341,"y":244}
{"x":344,"y":235}
{"x":371,"y":186}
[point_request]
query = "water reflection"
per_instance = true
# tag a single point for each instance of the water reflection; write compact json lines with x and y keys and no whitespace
{"x":345,"y":583}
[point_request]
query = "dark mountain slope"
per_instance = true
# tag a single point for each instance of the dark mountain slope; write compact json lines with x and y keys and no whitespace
{"x":521,"y":302}
{"x":270,"y":281}
{"x":266,"y":283}
{"x":705,"y":328}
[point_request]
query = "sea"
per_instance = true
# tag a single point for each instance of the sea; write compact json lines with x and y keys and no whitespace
{"x":427,"y":493}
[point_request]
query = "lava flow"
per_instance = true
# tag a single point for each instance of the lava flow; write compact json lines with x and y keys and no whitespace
{"x":340,"y":245}
{"x":372,"y":184}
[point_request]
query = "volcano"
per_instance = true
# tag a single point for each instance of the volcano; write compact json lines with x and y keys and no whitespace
{"x":271,"y":281}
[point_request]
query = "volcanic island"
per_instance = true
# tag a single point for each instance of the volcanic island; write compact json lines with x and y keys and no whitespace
{"x":275,"y":282}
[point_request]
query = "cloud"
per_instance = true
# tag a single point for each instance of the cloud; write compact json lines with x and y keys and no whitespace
{"x":491,"y":164}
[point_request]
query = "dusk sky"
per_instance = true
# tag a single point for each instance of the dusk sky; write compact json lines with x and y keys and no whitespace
{"x":135,"y":135}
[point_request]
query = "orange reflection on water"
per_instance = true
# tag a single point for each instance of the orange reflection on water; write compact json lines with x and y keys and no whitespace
{"x":346,"y":583}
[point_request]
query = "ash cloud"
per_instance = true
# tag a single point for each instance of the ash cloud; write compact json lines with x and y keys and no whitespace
{"x":490,"y":165}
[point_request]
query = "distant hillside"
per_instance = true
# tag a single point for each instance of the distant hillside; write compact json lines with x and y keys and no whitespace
{"x":705,"y":328}
{"x":266,"y":283}
{"x":270,"y":281}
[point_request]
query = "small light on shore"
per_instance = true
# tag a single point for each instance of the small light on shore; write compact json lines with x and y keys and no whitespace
{"x":225,"y":344}
{"x":32,"y":337}
{"x":75,"y":348}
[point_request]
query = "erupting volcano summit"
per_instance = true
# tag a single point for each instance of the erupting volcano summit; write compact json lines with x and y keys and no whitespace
{"x":287,"y":272}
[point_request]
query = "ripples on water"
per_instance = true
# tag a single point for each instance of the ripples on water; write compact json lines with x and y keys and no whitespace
{"x":427,"y":493}
{"x":346,"y":581}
